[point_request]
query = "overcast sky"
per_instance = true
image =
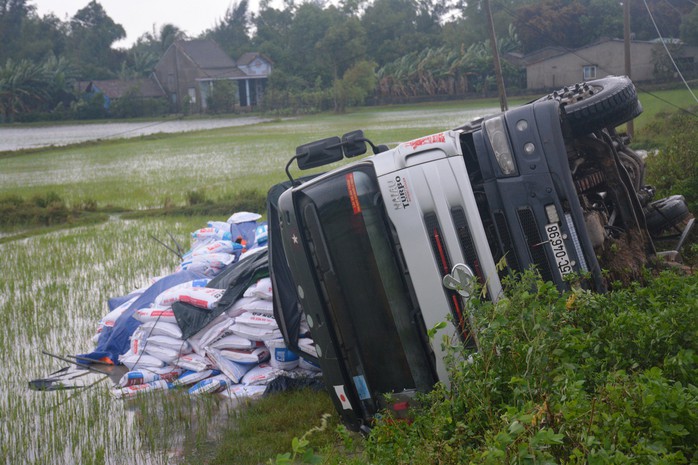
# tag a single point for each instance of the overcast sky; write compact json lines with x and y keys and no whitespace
{"x":138,"y":16}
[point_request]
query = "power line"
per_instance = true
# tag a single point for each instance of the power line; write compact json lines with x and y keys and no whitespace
{"x":573,"y":52}
{"x":659,"y":34}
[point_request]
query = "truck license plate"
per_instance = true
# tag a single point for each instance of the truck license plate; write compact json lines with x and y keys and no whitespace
{"x":564,"y":264}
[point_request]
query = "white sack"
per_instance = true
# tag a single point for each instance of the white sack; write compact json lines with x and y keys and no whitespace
{"x":133,"y":361}
{"x":255,"y":333}
{"x":165,"y":314}
{"x":256,"y":355}
{"x":193,"y":362}
{"x":257,"y":320}
{"x":261,"y":375}
{"x":193,"y":377}
{"x":211,"y":385}
{"x":171,"y":295}
{"x":179,"y":345}
{"x":202,"y":297}
{"x":137,"y":389}
{"x":234,"y":342}
{"x":146,"y":376}
{"x":256,"y":305}
{"x":280,"y":356}
{"x":234,"y":371}
{"x":263,"y":289}
{"x":161,"y":328}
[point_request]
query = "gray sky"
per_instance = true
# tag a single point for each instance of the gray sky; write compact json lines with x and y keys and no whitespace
{"x":138,"y":16}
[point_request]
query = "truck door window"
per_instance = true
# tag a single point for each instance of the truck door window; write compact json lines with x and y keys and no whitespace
{"x":367,"y":285}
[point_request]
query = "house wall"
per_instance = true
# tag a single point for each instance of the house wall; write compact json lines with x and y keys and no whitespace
{"x":258,"y":67}
{"x":177,"y":75}
{"x":609,"y":58}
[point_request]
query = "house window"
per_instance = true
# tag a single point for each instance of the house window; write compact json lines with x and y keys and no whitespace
{"x":589,"y":72}
{"x":192,"y":95}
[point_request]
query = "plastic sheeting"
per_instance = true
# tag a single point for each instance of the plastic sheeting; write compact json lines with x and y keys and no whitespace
{"x":115,"y":341}
{"x":235,"y":279}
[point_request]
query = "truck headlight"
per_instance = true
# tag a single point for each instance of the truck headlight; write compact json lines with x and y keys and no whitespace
{"x":498,"y":140}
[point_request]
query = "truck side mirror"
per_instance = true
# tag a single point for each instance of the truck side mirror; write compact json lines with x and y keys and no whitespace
{"x":354,"y":143}
{"x":319,"y":153}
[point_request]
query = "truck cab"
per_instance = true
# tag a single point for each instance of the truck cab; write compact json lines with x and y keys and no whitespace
{"x":381,"y":256}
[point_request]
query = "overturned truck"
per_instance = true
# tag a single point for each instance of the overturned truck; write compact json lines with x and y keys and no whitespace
{"x":376,"y":253}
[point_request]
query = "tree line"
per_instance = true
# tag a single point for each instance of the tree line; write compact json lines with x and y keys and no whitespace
{"x":324,"y":55}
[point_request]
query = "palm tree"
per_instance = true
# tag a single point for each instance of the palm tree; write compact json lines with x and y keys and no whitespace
{"x":169,"y":34}
{"x":23,"y":87}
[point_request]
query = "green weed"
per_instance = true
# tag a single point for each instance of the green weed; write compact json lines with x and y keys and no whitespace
{"x":572,"y":378}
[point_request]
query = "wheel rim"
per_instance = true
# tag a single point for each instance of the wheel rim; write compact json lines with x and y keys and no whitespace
{"x":576,"y":93}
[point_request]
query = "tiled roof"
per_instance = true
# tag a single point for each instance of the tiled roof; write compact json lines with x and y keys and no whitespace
{"x":209,"y":57}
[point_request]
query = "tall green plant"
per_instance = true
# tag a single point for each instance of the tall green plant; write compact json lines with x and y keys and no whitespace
{"x":564,"y":378}
{"x":673,"y":169}
{"x":22,"y":87}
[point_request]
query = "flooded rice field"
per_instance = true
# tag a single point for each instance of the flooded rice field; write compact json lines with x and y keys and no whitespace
{"x":54,"y":287}
{"x":18,"y":138}
{"x":52,"y":295}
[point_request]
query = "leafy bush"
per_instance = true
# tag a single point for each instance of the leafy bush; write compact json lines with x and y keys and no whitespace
{"x":40,"y":210}
{"x":133,"y":106}
{"x":573,"y":378}
{"x":674,"y":168}
{"x":224,"y":97}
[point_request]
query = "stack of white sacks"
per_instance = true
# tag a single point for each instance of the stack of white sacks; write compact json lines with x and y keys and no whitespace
{"x":237,"y":354}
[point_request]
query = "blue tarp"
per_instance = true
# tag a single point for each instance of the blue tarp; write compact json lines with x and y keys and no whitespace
{"x":115,"y":341}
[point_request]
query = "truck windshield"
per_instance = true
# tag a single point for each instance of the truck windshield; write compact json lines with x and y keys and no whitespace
{"x":364,"y":286}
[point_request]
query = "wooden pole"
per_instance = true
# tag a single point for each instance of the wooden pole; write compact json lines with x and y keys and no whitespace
{"x":629,"y":127}
{"x":495,"y":55}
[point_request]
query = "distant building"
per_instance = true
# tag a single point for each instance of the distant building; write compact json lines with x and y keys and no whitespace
{"x":114,"y":89}
{"x":553,"y":67}
{"x":189,"y":70}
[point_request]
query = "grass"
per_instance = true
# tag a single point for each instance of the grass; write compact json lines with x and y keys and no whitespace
{"x":147,"y":173}
{"x":150,"y":172}
{"x":53,"y":291}
{"x":266,"y":428}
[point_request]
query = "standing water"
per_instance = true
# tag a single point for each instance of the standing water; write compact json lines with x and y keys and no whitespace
{"x":53,"y":293}
{"x":18,"y":138}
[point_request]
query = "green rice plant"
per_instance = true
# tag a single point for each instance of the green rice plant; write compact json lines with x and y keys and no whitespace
{"x":140,"y":173}
{"x":267,"y":427}
{"x":53,"y":293}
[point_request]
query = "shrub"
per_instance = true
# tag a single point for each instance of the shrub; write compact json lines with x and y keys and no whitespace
{"x":674,"y":168}
{"x":564,"y":378}
{"x":41,"y":210}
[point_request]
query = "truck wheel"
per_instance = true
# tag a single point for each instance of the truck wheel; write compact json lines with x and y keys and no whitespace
{"x":666,"y":213}
{"x":601,"y":103}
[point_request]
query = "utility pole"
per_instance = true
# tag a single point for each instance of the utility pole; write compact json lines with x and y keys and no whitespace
{"x":629,"y":127}
{"x":495,"y":55}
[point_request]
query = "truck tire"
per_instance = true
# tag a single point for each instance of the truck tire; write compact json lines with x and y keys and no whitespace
{"x":666,"y":213}
{"x":601,"y":103}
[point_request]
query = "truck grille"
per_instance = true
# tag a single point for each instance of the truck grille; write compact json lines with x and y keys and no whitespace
{"x":535,"y":244}
{"x":508,"y":246}
{"x":443,"y":263}
{"x":466,"y":242}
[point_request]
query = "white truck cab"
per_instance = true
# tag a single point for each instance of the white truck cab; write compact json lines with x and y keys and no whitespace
{"x":381,"y":256}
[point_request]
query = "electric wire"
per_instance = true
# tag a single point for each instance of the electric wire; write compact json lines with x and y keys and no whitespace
{"x":573,"y":52}
{"x":659,"y":34}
